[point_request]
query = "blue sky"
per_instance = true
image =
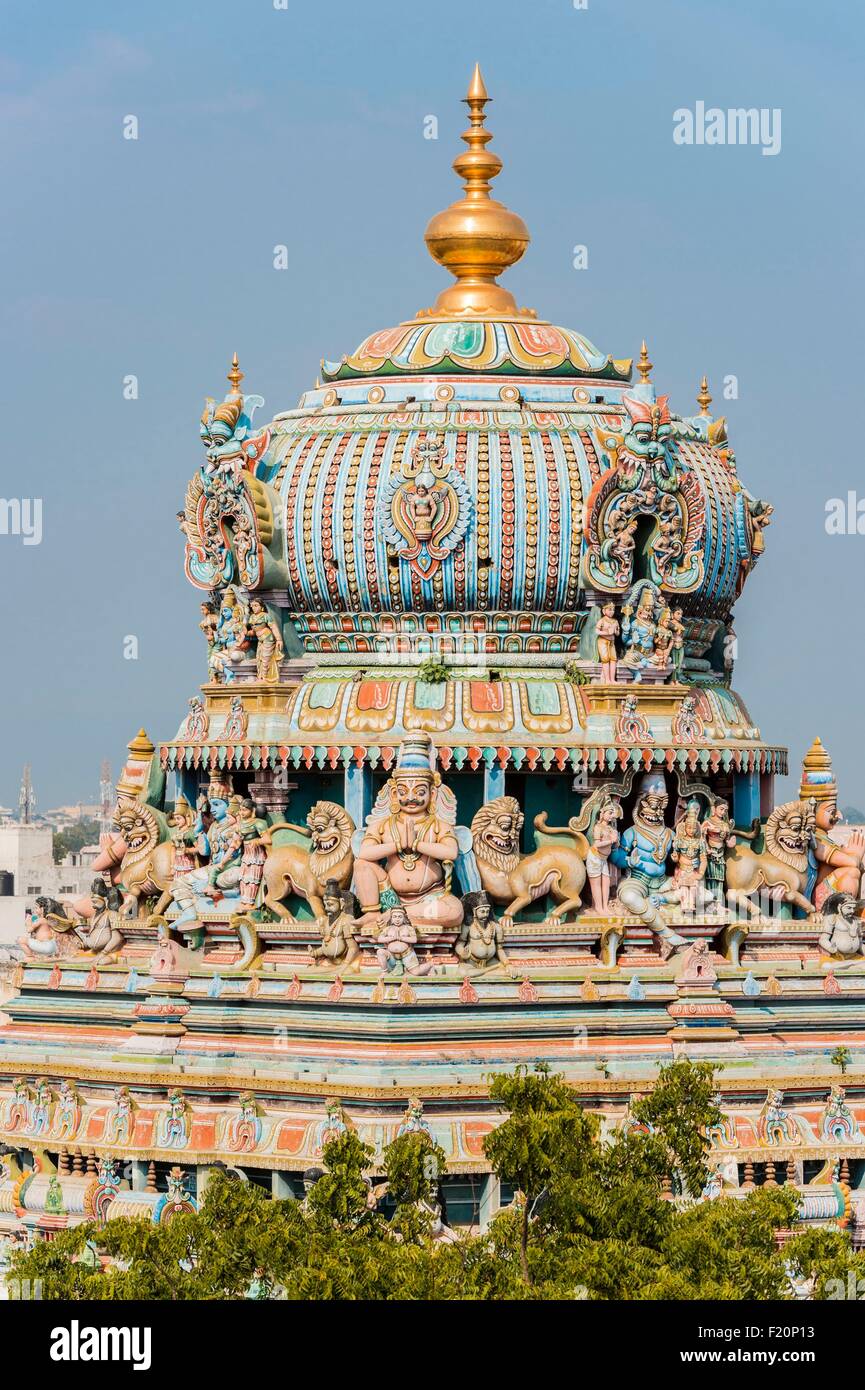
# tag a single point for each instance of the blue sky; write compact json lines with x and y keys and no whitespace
{"x":305,"y":127}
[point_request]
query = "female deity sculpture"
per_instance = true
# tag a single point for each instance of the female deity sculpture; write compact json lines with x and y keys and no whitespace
{"x":250,"y":829}
{"x":187,"y":840}
{"x":677,"y":655}
{"x":209,"y":623}
{"x":689,"y":856}
{"x":269,"y":646}
{"x":606,"y":632}
{"x":603,"y":837}
{"x":421,"y":502}
{"x":718,"y":837}
{"x":663,"y":641}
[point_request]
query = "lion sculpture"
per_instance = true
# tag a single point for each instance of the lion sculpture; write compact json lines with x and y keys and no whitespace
{"x":515,"y":880}
{"x":140,"y":857}
{"x":781,"y":870}
{"x":305,"y":871}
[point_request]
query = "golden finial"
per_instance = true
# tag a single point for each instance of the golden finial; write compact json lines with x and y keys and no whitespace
{"x":141,"y":743}
{"x":235,"y":376}
{"x":704,"y":400}
{"x":818,"y":780}
{"x":477,"y":237}
{"x":644,"y":366}
{"x":477,"y":96}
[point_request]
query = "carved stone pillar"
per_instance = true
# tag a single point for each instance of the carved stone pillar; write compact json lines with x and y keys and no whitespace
{"x":272,"y":791}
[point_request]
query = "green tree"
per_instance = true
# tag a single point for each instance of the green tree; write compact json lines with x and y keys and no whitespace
{"x":545,"y":1142}
{"x":341,"y":1196}
{"x":593,"y":1220}
{"x":841,"y":1057}
{"x":414,"y":1165}
{"x":679,"y":1109}
{"x":74,"y":838}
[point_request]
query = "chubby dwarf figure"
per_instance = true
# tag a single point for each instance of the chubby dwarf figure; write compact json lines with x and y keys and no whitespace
{"x":843,"y":928}
{"x":481,"y":939}
{"x":44,"y":938}
{"x":396,"y":945}
{"x":338,"y":946}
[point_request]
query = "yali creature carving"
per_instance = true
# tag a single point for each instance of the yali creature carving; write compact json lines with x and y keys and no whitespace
{"x":323,"y":857}
{"x":645,"y":481}
{"x":557,"y":865}
{"x":228,"y":515}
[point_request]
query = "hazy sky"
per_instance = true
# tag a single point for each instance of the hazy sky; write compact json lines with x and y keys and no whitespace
{"x":304,"y":126}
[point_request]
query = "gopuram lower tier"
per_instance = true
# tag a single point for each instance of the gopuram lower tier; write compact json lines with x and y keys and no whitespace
{"x":466,"y":786}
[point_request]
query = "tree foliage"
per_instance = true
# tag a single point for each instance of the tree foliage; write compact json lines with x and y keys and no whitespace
{"x":74,"y":837}
{"x":594,"y":1218}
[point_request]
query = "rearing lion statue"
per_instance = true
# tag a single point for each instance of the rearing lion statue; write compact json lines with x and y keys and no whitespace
{"x":301,"y":870}
{"x":516,"y":880}
{"x":782,"y":869}
{"x":140,"y":856}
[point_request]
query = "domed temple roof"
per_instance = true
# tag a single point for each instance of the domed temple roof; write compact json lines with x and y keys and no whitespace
{"x":475,"y":325}
{"x":513,"y":454}
{"x":472,"y":485}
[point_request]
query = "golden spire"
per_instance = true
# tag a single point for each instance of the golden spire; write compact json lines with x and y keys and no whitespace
{"x":704,"y":400}
{"x":818,"y":780}
{"x":644,"y":366}
{"x":141,"y":743}
{"x":235,"y":376}
{"x":477,"y":237}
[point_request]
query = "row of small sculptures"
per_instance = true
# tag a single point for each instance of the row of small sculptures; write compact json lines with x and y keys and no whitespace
{"x":407,"y":865}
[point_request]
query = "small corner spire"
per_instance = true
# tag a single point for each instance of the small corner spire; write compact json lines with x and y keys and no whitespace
{"x":235,"y":376}
{"x":644,"y":366}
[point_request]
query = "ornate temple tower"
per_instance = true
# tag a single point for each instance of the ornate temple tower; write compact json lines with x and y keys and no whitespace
{"x":467,"y":490}
{"x":466,"y":784}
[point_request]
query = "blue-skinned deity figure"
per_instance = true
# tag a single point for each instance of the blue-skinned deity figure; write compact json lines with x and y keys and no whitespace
{"x":228,"y":640}
{"x":638,"y":632}
{"x":217,"y":839}
{"x":643,"y":852}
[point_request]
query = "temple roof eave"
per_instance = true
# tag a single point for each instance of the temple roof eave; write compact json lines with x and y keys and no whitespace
{"x":330,"y":720}
{"x":603,"y":759}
